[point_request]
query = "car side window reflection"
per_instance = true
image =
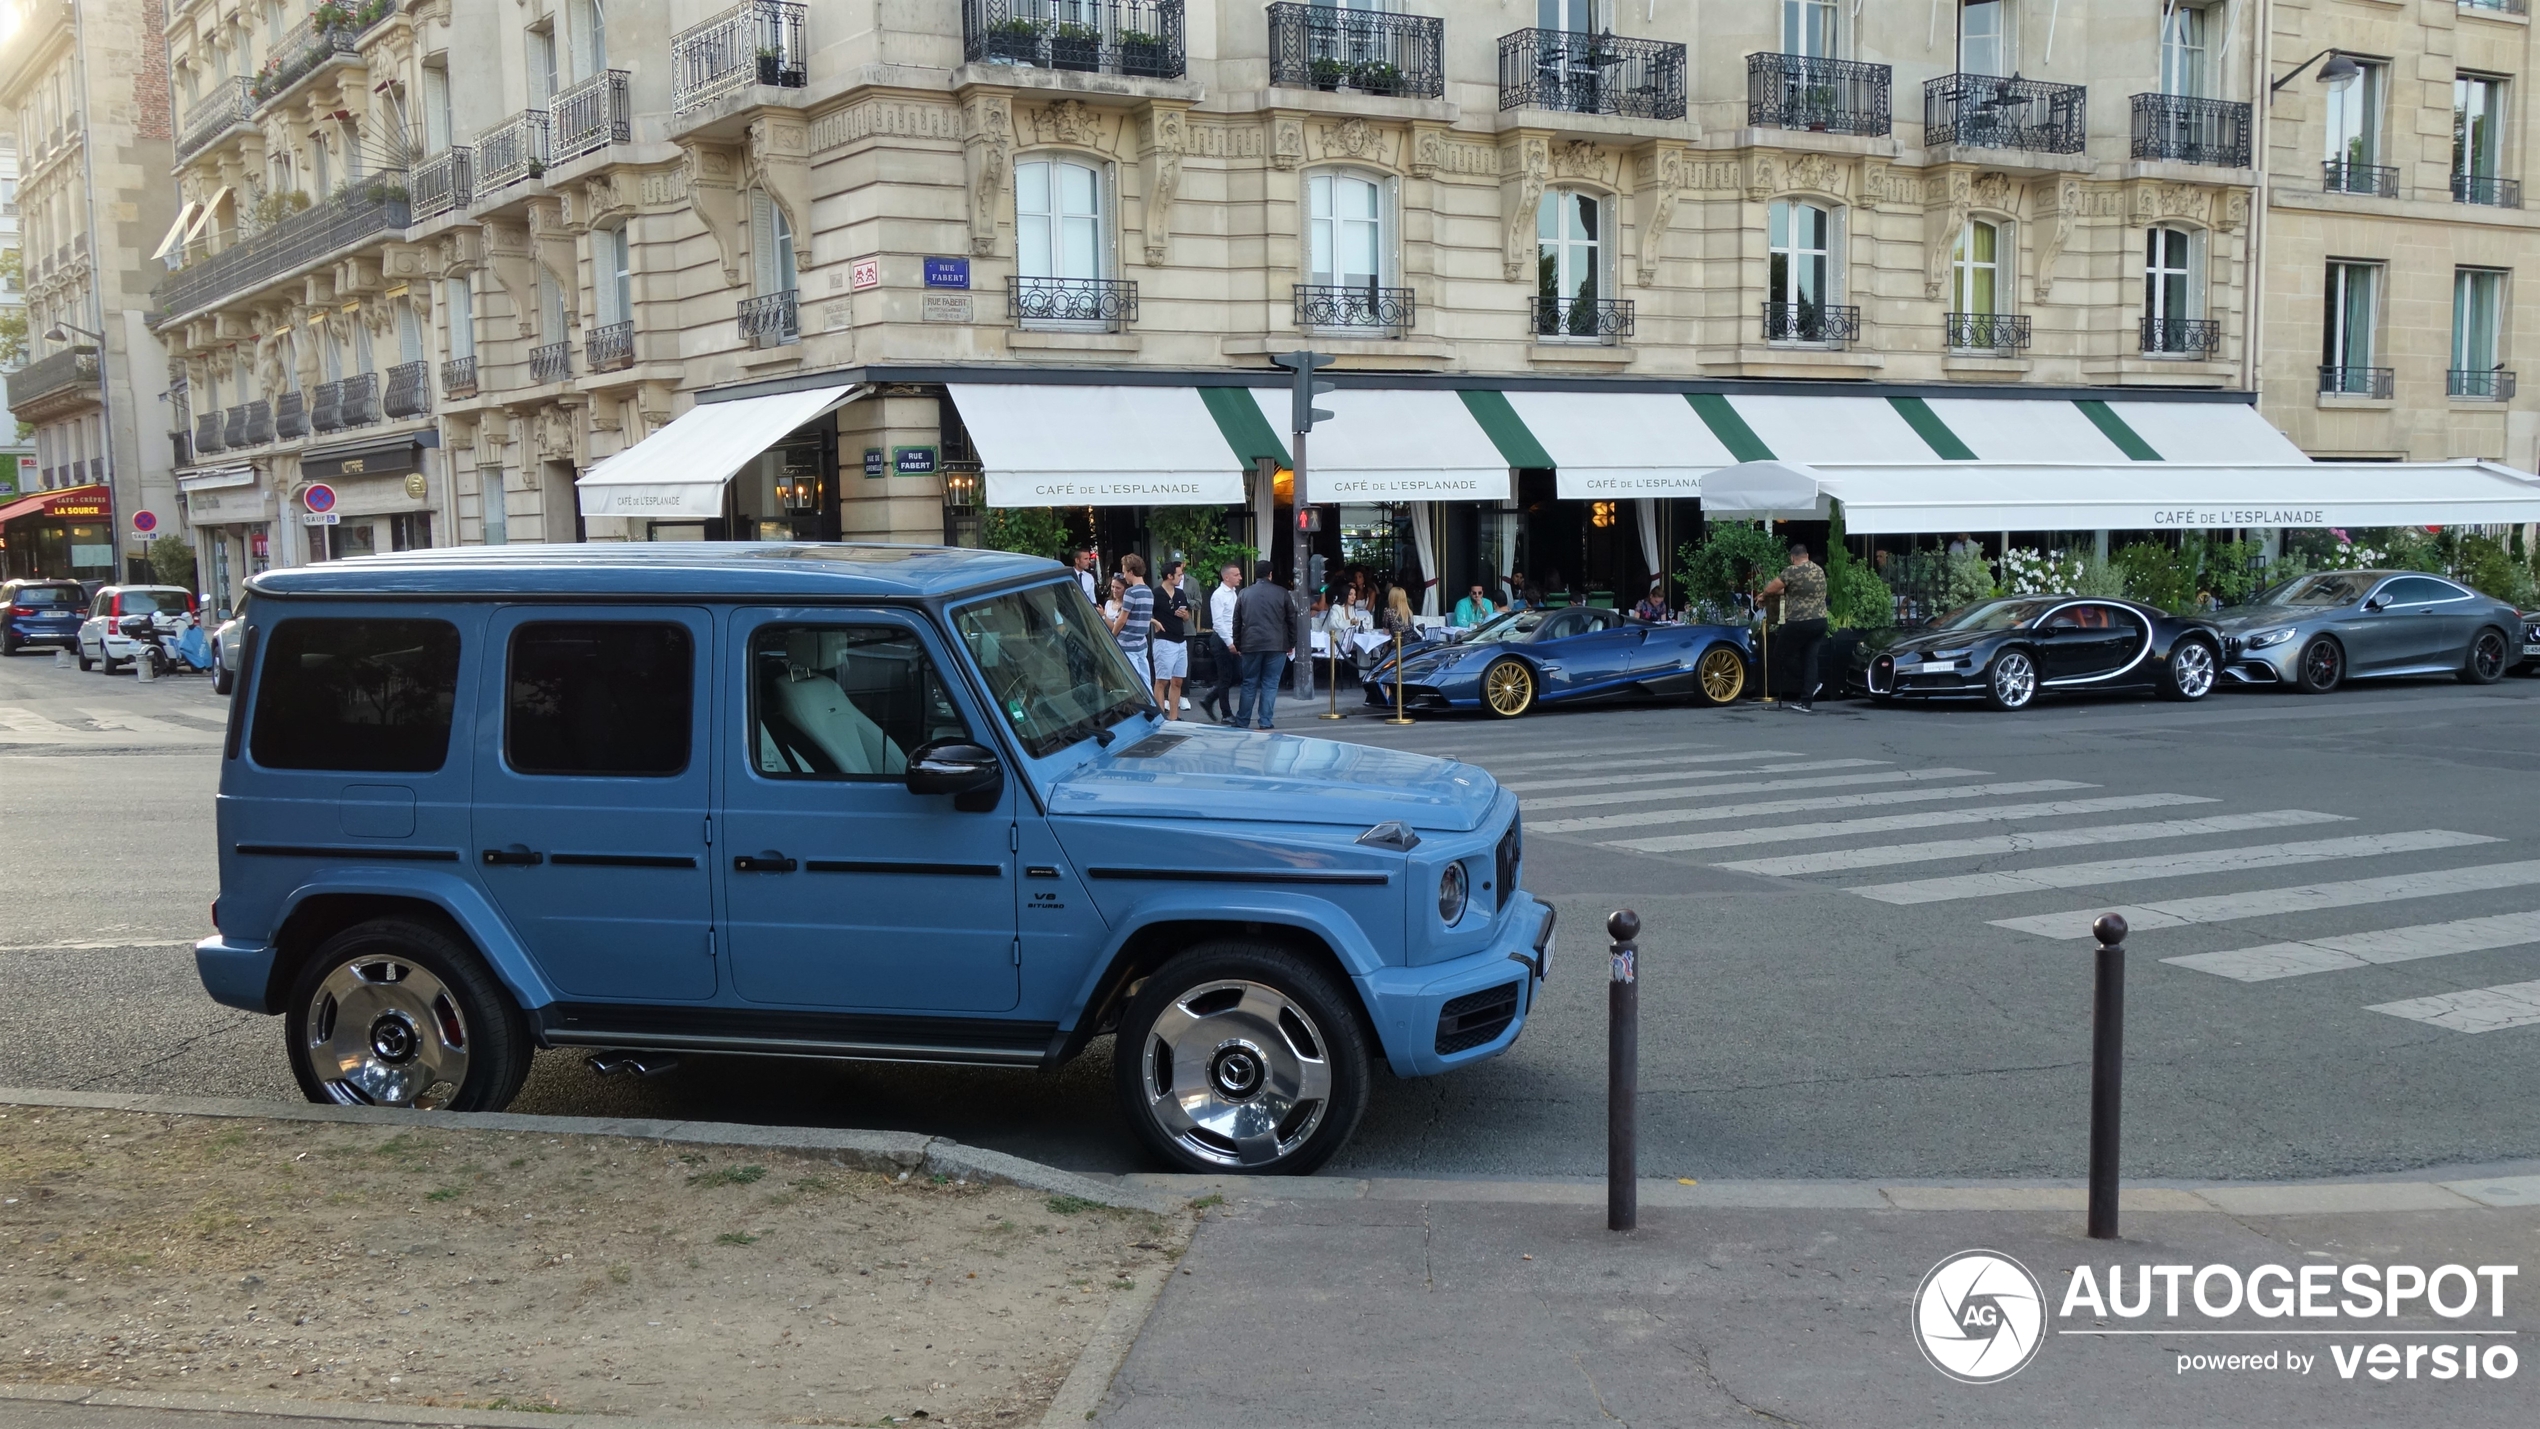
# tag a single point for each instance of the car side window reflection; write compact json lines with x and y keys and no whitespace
{"x":843,"y":702}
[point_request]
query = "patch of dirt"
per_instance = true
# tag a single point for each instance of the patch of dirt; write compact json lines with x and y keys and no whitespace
{"x":508,"y":1270}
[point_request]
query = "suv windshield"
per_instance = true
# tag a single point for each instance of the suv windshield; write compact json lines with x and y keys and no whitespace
{"x":55,"y":595}
{"x":1997,"y":614}
{"x":1508,"y":627}
{"x":1050,"y":665}
{"x":2330,"y":588}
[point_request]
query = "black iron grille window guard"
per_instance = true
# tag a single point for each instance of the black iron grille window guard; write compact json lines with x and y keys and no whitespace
{"x":611,"y":348}
{"x":1326,"y":47}
{"x":2486,"y":384}
{"x":409,"y":389}
{"x":444,"y":183}
{"x":1988,"y":332}
{"x":1592,"y":74}
{"x":550,"y":362}
{"x":207,"y":433}
{"x":326,"y":407}
{"x":1986,"y":111}
{"x":286,"y":247}
{"x":1138,"y":38}
{"x":259,"y":422}
{"x":358,"y":398}
{"x":591,"y":115}
{"x":2487,"y":189}
{"x":2189,"y":337}
{"x":2341,"y":176}
{"x":1830,"y":323}
{"x":2185,"y":130}
{"x":2357,"y":381}
{"x":1112,"y":301}
{"x":756,"y":42}
{"x":1582,"y":319}
{"x":458,"y":377}
{"x":228,"y":102}
{"x":1819,"y":95}
{"x":234,"y":427}
{"x":290,"y":416}
{"x":769,"y":321}
{"x":516,"y":149}
{"x":1336,"y":305}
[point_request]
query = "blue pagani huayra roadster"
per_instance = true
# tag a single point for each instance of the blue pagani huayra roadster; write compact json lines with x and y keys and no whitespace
{"x":1517,"y":660}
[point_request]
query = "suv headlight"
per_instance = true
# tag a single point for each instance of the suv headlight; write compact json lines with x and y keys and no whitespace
{"x":2261,"y":639}
{"x":1453,"y":891}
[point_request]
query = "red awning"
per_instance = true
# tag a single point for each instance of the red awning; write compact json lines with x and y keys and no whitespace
{"x":93,"y":501}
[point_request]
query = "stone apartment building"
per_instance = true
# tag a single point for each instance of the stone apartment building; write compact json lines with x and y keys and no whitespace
{"x":83,"y":84}
{"x":16,"y":452}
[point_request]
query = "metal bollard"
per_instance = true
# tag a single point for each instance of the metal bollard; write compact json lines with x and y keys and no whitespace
{"x":2107,"y":1074}
{"x":63,"y":659}
{"x":1622,"y":1075}
{"x":144,"y":668}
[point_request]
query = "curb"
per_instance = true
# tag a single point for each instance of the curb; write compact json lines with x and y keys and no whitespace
{"x":322,"y":1412}
{"x":887,"y":1152}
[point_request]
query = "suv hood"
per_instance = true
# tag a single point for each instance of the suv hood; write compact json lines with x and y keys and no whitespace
{"x":1225,"y":775}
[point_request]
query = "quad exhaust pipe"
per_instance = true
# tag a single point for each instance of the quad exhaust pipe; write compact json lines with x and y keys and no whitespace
{"x":642,"y":1064}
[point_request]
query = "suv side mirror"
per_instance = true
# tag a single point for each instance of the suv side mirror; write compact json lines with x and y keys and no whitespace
{"x":967,"y":771}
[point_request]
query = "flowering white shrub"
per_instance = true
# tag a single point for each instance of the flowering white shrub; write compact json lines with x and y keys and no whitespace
{"x":2347,"y":556}
{"x":2030,"y":572}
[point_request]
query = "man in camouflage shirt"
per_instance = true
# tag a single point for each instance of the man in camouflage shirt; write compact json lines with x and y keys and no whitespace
{"x":1802,"y":587}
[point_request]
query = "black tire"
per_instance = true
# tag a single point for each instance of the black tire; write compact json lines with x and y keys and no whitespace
{"x":456,"y":993}
{"x":84,"y":662}
{"x":1509,"y":687}
{"x":2322,"y":667}
{"x":1233,"y":1045}
{"x":2488,"y":658}
{"x":8,"y":644}
{"x":2010,"y":683}
{"x":222,"y":679}
{"x":2183,"y":677}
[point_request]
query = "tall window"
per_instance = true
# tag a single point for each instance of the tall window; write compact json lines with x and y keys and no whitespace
{"x":1578,"y":16}
{"x":460,"y":304}
{"x":2347,"y":348}
{"x":612,"y":277}
{"x":2478,"y":304}
{"x":551,"y":322}
{"x":436,"y":107}
{"x":771,"y":246}
{"x":2478,"y":125}
{"x":1345,"y":230}
{"x":1569,"y":261}
{"x":2183,"y":50}
{"x":409,"y":335}
{"x":542,"y":64}
{"x":1976,"y":268}
{"x":2354,"y":118}
{"x":362,"y":362}
{"x":2171,"y":303}
{"x":590,"y":38}
{"x":1984,"y":37}
{"x":1809,"y":27}
{"x":1800,"y":279}
{"x":1057,"y":220}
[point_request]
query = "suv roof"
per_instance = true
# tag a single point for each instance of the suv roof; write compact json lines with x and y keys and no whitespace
{"x":680,"y":568}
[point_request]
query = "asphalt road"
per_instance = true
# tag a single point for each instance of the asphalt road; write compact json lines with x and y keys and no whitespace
{"x":2351,"y":877}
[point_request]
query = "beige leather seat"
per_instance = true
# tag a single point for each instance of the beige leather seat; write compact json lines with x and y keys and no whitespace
{"x":808,"y":697}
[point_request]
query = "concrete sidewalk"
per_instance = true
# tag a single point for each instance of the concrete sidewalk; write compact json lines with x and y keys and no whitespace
{"x":1454,"y":1303}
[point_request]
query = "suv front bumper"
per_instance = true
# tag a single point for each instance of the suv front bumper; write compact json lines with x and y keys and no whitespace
{"x":1410,"y":1005}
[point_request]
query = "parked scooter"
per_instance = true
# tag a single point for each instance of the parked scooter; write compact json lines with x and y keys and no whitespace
{"x":169,"y":641}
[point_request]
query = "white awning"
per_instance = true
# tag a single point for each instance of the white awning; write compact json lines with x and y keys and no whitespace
{"x":1607,"y":446}
{"x":682,"y":469}
{"x":1058,"y":445}
{"x":1767,"y":490}
{"x":212,"y":478}
{"x":1393,"y":445}
{"x":176,"y":230}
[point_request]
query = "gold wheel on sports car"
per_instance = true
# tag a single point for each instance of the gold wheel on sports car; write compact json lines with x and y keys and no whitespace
{"x":1722,"y":672}
{"x":1508,"y":688}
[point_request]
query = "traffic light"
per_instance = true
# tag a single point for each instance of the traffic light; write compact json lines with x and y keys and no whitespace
{"x":1313,"y":573}
{"x":1304,"y":365}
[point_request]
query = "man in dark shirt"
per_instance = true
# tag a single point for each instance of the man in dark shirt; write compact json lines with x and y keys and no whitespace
{"x":1168,"y":656}
{"x":1265,"y":631}
{"x":1802,"y":587}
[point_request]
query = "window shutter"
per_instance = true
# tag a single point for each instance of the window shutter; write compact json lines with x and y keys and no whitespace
{"x":2195,"y":275}
{"x":762,"y":243}
{"x":1838,"y":253}
{"x":409,"y":336}
{"x":461,"y":309}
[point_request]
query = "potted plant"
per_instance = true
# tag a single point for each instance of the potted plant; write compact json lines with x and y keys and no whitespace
{"x":329,"y":16}
{"x":1076,"y":47}
{"x":1376,"y":77}
{"x":1141,"y":53}
{"x":1012,"y":42}
{"x":772,"y":69}
{"x":1327,"y":73}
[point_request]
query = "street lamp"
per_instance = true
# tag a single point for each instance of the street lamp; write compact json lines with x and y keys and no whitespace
{"x":2337,"y":74}
{"x":61,"y":331}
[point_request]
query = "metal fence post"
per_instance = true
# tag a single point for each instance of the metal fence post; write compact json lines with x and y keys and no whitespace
{"x":2107,"y":1074}
{"x":1622,"y":1075}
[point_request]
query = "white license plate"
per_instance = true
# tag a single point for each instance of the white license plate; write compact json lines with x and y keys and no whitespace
{"x":2531,"y":650}
{"x":1931,"y":667}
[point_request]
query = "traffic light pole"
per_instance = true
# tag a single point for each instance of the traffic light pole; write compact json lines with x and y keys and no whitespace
{"x":1304,"y":415}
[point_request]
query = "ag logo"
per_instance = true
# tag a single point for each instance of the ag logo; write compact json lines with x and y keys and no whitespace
{"x":1979,"y":1316}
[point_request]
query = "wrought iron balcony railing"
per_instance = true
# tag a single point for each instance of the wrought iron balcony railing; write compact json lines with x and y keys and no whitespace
{"x":2487,"y":189}
{"x":514,"y":150}
{"x":1112,"y":302}
{"x":444,"y":183}
{"x":2357,"y":381}
{"x":1987,"y":111}
{"x":767,"y":320}
{"x":2182,"y":337}
{"x":209,"y":433}
{"x":756,"y":42}
{"x":2344,"y":176}
{"x":2186,"y":130}
{"x":1581,"y":319}
{"x":1831,"y":324}
{"x":69,"y":368}
{"x":1819,"y":95}
{"x":359,"y":399}
{"x":611,"y":348}
{"x":1592,"y":74}
{"x":591,"y":115}
{"x":409,"y":389}
{"x":1988,"y":332}
{"x":2485,"y":384}
{"x":303,"y":48}
{"x":1326,"y":47}
{"x":458,"y":377}
{"x":326,"y":407}
{"x":290,"y":417}
{"x":230,"y":101}
{"x":1142,"y":38}
{"x":550,"y":362}
{"x":1346,"y":306}
{"x":287,"y":247}
{"x":233,"y":432}
{"x":259,"y":422}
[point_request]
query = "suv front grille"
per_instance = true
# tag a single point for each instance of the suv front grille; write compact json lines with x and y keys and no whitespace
{"x":1475,"y":1018}
{"x":1511,"y":849}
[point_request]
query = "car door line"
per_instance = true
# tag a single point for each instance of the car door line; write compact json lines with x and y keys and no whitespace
{"x":2137,"y":659}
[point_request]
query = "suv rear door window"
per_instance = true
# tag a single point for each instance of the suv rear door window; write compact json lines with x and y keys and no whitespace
{"x":358,"y":694}
{"x":599,"y":698}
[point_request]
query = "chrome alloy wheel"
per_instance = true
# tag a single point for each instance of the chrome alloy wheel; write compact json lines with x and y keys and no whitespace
{"x":2014,"y":679}
{"x":1236,"y":1073}
{"x":2192,"y":669}
{"x":382,"y":1032}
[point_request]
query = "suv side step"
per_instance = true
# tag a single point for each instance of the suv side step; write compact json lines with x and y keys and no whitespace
{"x":970,"y":1041}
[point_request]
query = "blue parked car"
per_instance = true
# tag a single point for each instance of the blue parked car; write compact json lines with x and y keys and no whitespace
{"x":41,"y":612}
{"x":867,"y":802}
{"x":1519,"y":659}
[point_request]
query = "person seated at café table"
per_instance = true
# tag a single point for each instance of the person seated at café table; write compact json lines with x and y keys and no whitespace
{"x":1652,"y":606}
{"x":1474,"y":608}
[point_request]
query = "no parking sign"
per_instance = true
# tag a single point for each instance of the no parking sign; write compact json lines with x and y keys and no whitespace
{"x":145,"y":522}
{"x":318,"y":497}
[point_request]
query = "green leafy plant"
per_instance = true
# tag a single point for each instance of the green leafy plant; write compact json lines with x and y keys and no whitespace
{"x":278,"y":205}
{"x":1016,"y":29}
{"x":329,"y":16}
{"x":1731,"y":560}
{"x":1376,"y":77}
{"x":1070,"y":1205}
{"x":1328,"y":73}
{"x":1082,"y":34}
{"x":2159,"y":574}
{"x":172,"y":561}
{"x":1197,"y":534}
{"x":1026,"y":530}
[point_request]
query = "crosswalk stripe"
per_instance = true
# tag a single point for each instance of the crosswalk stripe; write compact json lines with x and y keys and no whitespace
{"x":140,"y":724}
{"x":2275,"y":902}
{"x":1660,"y":766}
{"x":1833,"y":860}
{"x":1643,"y":777}
{"x":1891,"y":823}
{"x":1571,"y":752}
{"x":2484,"y":1009}
{"x":1761,"y":786}
{"x":1644,"y":818}
{"x":22,"y":720}
{"x":2358,"y":950}
{"x":2167,"y":865}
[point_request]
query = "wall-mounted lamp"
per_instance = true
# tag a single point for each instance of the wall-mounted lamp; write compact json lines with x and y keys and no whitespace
{"x":2338,"y":73}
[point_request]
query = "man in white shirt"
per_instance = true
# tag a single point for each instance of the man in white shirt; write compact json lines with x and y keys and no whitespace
{"x":1083,"y":561}
{"x":1221,"y":625}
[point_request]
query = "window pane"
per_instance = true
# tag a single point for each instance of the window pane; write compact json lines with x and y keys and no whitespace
{"x":1980,"y":237}
{"x":1032,"y":188}
{"x":598,"y":697}
{"x":1076,"y":190}
{"x":1079,"y":250}
{"x":841,"y":702}
{"x":370,"y":695}
{"x":1049,"y":664}
{"x":1777,"y":224}
{"x":1032,"y":246}
{"x":1319,"y":191}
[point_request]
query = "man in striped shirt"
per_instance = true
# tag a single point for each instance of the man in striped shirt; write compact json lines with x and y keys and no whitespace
{"x":1136,"y":620}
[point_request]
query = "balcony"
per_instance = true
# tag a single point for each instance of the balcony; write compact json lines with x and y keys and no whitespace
{"x":766,"y":321}
{"x":359,"y":399}
{"x":2498,"y":7}
{"x":231,"y":101}
{"x":1599,"y":320}
{"x":1329,"y":307}
{"x":1986,"y":111}
{"x":1326,"y":47}
{"x":2185,"y":130}
{"x":326,"y":408}
{"x":2480,"y":384}
{"x":1138,"y":38}
{"x":611,"y":348}
{"x":409,"y":390}
{"x":1108,"y":303}
{"x":2487,"y":189}
{"x":2345,"y":176}
{"x":2003,"y":333}
{"x":303,"y":49}
{"x":207,"y":434}
{"x":591,"y":115}
{"x":761,"y":42}
{"x":2181,"y":337}
{"x":290,"y":417}
{"x":234,"y":428}
{"x":1592,"y":74}
{"x":550,"y":362}
{"x":182,"y":444}
{"x":444,"y":183}
{"x":1820,"y":324}
{"x":286,"y":248}
{"x":515,"y":150}
{"x":259,"y":422}
{"x":1821,"y":96}
{"x":72,"y":371}
{"x":2357,"y":382}
{"x":458,"y":377}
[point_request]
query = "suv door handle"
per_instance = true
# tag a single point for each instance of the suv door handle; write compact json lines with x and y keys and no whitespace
{"x":517,"y":856}
{"x":768,"y":862}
